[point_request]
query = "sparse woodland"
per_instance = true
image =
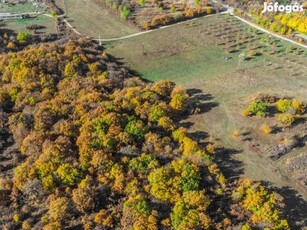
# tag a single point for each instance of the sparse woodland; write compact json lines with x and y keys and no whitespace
{"x":148,"y":14}
{"x":11,"y":41}
{"x":85,"y":145}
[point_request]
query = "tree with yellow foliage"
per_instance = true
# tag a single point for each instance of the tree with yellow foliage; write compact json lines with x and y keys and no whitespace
{"x":189,"y":211}
{"x":179,"y":99}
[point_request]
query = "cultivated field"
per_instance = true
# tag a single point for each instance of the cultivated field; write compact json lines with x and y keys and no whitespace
{"x":93,"y":20}
{"x":224,"y":62}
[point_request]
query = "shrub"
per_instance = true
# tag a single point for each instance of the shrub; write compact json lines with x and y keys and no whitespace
{"x":258,"y":108}
{"x":245,"y":113}
{"x":124,"y":12}
{"x":265,"y":128}
{"x":286,"y":119}
{"x":23,"y":37}
{"x":298,"y":106}
{"x":11,"y":45}
{"x":283,"y":105}
{"x":147,"y":26}
{"x":209,"y":10}
{"x":189,"y":13}
{"x":53,"y":14}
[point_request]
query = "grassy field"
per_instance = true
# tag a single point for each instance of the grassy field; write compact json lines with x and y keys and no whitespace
{"x":19,"y":25}
{"x":185,"y":52}
{"x":193,"y":54}
{"x":92,"y":20}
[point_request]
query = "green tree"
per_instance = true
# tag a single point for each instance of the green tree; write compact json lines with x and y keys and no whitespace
{"x":258,"y":108}
{"x":70,"y":70}
{"x":68,"y":174}
{"x":23,"y":37}
{"x":136,"y":128}
{"x":53,"y":14}
{"x":143,"y":163}
{"x":188,"y":212}
{"x":139,"y":204}
{"x":156,"y":112}
{"x":124,"y":12}
{"x":168,"y":182}
{"x":141,"y":2}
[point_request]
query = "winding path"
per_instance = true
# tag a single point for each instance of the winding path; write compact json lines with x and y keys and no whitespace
{"x":148,"y":31}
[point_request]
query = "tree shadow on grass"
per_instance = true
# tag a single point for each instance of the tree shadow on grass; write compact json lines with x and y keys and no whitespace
{"x":200,"y":137}
{"x":186,"y":124}
{"x":277,"y":129}
{"x":229,"y":166}
{"x":206,"y":107}
{"x":298,"y":121}
{"x":200,"y":102}
{"x":193,"y":91}
{"x":121,"y":63}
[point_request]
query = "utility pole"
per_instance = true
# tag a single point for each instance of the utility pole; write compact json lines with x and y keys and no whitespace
{"x":100,"y":42}
{"x":241,"y":59}
{"x":143,"y":48}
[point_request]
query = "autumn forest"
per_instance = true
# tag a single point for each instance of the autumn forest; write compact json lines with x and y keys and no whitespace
{"x":97,"y":148}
